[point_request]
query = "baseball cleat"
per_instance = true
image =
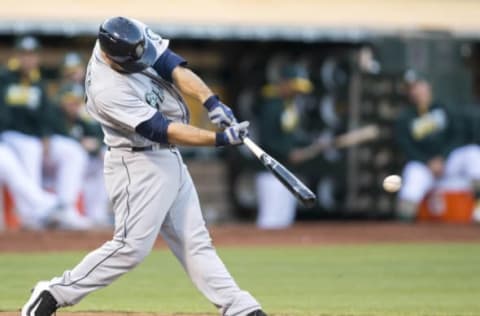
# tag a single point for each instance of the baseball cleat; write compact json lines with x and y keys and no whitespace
{"x":41,"y":302}
{"x":258,"y":312}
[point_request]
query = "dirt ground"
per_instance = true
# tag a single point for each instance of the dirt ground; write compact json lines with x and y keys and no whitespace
{"x":246,"y":235}
{"x":110,"y":314}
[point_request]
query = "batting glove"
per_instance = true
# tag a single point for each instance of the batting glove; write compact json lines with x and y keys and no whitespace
{"x":218,"y":113}
{"x":233,"y":135}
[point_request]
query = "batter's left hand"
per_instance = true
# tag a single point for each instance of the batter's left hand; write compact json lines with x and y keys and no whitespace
{"x":218,"y":113}
{"x":232,"y":135}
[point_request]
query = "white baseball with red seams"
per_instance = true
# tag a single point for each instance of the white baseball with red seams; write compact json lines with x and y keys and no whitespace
{"x":392,"y":183}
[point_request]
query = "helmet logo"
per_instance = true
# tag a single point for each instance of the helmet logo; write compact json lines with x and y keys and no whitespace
{"x":139,"y":50}
{"x":152,"y":35}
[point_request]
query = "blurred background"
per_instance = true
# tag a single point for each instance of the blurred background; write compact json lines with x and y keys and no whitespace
{"x":310,"y":70}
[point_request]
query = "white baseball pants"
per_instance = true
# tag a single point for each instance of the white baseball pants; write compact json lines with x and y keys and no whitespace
{"x":29,"y":151}
{"x":32,"y":203}
{"x":66,"y":157}
{"x":463,"y":162}
{"x":94,"y":193}
{"x":152,"y":192}
{"x":276,"y":205}
{"x":69,"y":161}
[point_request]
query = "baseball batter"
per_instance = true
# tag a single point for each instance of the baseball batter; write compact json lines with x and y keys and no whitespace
{"x":148,"y":184}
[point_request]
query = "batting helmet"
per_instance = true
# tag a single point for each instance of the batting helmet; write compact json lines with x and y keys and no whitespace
{"x":125,"y":43}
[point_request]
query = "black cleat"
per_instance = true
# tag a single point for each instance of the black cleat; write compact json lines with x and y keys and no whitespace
{"x":41,"y":302}
{"x":258,"y":312}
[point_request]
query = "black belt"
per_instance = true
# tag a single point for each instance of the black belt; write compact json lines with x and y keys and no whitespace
{"x":134,"y":149}
{"x":140,"y":149}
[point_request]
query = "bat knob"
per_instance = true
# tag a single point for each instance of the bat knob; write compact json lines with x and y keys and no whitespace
{"x":310,"y":202}
{"x":308,"y":198}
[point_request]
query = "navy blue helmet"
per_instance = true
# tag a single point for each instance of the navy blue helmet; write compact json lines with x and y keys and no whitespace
{"x":125,"y":43}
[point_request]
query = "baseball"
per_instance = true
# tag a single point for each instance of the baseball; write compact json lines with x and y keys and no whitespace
{"x":392,"y":183}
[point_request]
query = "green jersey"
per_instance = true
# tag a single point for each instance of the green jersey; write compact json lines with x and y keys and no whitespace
{"x":4,"y":118}
{"x":278,"y":122}
{"x":26,"y":101}
{"x":77,"y":129}
{"x":434,"y":133}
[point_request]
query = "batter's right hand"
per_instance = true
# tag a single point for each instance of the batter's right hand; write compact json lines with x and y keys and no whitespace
{"x":219,"y":113}
{"x":233,"y":135}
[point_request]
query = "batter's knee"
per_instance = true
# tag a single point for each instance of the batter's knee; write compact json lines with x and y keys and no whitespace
{"x":134,"y":254}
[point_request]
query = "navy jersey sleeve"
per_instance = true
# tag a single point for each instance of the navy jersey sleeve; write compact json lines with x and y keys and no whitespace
{"x":167,"y":62}
{"x":155,"y":128}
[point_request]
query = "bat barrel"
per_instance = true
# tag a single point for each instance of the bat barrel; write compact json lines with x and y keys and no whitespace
{"x":307,"y":197}
{"x":294,"y":185}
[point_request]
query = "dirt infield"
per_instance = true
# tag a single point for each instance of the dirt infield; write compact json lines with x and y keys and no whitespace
{"x":111,"y":314}
{"x":247,"y":235}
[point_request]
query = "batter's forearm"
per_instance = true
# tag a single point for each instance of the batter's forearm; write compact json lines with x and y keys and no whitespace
{"x":191,"y":84}
{"x":188,"y":135}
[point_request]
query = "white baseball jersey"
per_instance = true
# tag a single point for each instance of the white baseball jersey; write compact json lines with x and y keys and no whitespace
{"x":120,"y":102}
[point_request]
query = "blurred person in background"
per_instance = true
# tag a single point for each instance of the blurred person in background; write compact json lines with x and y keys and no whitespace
{"x":34,"y":206}
{"x":73,"y":121}
{"x":24,"y":95}
{"x":73,"y":69}
{"x":433,"y":140}
{"x":278,"y":119}
{"x":29,"y":132}
{"x":73,"y":113}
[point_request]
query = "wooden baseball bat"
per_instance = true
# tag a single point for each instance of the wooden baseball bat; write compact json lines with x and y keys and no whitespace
{"x":351,"y":138}
{"x":292,"y":183}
